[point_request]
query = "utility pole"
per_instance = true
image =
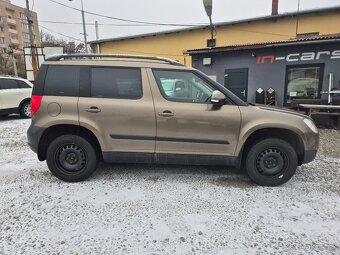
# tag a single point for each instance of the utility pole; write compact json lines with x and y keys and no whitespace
{"x":33,"y":51}
{"x":15,"y":70}
{"x":84,"y":25}
{"x":11,"y":53}
{"x":97,"y":35}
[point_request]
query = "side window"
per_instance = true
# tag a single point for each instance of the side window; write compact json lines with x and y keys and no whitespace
{"x":62,"y":81}
{"x":111,"y":82}
{"x":23,"y":85}
{"x":8,"y":84}
{"x":183,"y":86}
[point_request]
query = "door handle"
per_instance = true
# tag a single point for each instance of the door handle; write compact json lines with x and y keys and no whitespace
{"x":93,"y":109}
{"x":166,"y":114}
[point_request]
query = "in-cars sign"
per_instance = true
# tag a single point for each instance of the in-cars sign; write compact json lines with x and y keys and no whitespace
{"x":295,"y":57}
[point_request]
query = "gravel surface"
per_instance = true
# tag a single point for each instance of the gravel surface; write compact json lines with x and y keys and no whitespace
{"x":141,"y":209}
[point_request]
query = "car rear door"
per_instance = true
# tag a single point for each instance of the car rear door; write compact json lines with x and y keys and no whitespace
{"x":10,"y":97}
{"x":116,"y":104}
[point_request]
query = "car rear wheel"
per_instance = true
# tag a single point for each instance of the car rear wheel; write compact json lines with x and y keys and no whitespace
{"x":71,"y":158}
{"x":25,"y":110}
{"x":271,"y":162}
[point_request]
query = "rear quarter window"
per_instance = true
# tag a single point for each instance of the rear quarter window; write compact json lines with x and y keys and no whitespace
{"x":62,"y":81}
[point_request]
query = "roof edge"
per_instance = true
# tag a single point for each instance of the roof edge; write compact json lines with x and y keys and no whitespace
{"x":267,"y":17}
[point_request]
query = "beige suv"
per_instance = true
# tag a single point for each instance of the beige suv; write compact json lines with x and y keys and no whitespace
{"x":139,"y":109}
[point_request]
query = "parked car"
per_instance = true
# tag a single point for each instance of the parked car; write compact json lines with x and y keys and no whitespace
{"x":15,"y":94}
{"x":86,"y":109}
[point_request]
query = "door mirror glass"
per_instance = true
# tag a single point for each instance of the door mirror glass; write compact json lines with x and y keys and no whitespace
{"x":217,"y":97}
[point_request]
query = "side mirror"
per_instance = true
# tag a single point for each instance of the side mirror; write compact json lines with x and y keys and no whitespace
{"x":217,"y":97}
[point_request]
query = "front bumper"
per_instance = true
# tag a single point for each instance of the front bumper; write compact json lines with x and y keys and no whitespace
{"x":34,"y":134}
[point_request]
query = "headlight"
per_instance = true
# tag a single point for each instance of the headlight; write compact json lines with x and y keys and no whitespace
{"x":311,"y":125}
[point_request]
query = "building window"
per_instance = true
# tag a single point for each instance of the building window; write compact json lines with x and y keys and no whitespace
{"x":24,"y":25}
{"x":26,"y":44}
{"x":13,"y":36}
{"x":2,"y":50}
{"x":26,"y":35}
{"x":1,"y":29}
{"x":22,"y":15}
{"x":303,"y":82}
{"x":2,"y":39}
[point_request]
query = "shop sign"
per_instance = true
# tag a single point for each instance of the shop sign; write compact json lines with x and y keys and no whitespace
{"x":297,"y":57}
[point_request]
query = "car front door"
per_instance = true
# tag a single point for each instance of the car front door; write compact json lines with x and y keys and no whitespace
{"x":118,"y":108}
{"x":187,"y":123}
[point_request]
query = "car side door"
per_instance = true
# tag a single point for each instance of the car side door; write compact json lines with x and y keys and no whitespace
{"x":187,"y":122}
{"x":9,"y":93}
{"x":118,"y":108}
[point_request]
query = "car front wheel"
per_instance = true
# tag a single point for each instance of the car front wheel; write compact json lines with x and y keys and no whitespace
{"x":271,"y":162}
{"x":71,"y":158}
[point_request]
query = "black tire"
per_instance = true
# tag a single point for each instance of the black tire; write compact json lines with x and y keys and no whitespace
{"x":25,"y":110}
{"x":271,"y":162}
{"x":71,"y":158}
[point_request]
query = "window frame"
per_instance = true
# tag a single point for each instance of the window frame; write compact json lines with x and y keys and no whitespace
{"x":160,"y":88}
{"x":321,"y":77}
{"x":116,"y":67}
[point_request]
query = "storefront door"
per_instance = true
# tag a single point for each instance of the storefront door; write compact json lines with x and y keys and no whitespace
{"x":236,"y":80}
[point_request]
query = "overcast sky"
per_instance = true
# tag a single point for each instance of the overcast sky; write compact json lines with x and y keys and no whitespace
{"x":160,"y":11}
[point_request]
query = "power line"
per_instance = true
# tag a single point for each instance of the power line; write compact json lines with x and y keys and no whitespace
{"x":92,"y":24}
{"x":70,"y":37}
{"x":127,"y":20}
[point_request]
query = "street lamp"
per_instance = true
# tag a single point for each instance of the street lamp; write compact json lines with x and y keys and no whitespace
{"x":208,"y":9}
{"x":84,"y":26}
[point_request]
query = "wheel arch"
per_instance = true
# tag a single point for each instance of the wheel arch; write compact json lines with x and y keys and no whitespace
{"x":66,"y":129}
{"x":28,"y":99}
{"x":281,"y":133}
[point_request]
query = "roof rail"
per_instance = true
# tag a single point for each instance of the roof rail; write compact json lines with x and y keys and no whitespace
{"x":90,"y":56}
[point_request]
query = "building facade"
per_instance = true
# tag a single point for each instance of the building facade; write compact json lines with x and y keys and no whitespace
{"x":14,"y":27}
{"x":275,"y":27}
{"x":297,"y":70}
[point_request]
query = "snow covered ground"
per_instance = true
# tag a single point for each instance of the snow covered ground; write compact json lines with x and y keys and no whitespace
{"x":142,"y":209}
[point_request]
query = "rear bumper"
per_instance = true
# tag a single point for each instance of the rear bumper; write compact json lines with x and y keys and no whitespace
{"x":309,"y":156}
{"x":33,"y":137}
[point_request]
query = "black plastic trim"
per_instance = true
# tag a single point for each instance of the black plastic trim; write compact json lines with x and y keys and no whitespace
{"x":34,"y":135}
{"x":309,"y":156}
{"x":167,"y":139}
{"x":9,"y":110}
{"x":165,"y":158}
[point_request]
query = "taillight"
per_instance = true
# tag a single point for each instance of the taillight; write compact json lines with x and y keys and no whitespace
{"x":35,"y":103}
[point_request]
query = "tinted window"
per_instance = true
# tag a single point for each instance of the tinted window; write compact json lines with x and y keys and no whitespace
{"x":182,"y":86}
{"x":62,"y":81}
{"x":8,"y":84}
{"x":23,"y":85}
{"x":116,"y":83}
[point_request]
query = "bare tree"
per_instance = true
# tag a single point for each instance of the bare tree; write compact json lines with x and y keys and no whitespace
{"x":49,"y":40}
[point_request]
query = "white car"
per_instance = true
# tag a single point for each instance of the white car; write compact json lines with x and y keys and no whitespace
{"x":15,"y":96}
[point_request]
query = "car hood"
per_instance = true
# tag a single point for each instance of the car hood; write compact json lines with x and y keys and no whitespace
{"x":280,"y":109}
